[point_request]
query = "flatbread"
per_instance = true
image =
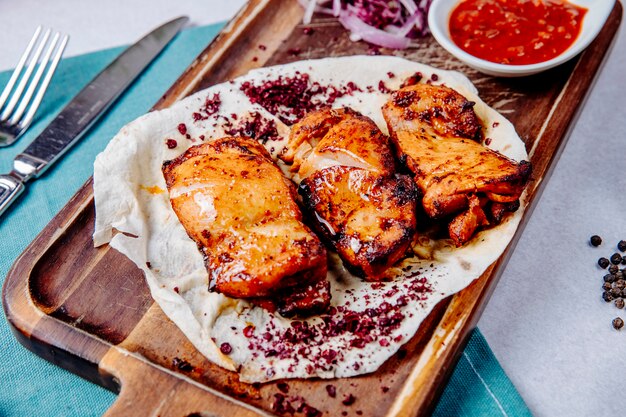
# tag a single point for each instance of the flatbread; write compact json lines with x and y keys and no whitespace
{"x":368,"y":322}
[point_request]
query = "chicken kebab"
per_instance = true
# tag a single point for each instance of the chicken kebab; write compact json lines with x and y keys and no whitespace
{"x":349,"y":185}
{"x":438,"y":136}
{"x":238,"y":207}
{"x":241,"y":211}
{"x":365,"y":209}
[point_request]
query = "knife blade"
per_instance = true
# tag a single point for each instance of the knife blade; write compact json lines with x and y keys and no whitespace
{"x":84,"y":110}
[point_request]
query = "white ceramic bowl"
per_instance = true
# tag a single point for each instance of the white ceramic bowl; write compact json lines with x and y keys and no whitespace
{"x":597,"y":13}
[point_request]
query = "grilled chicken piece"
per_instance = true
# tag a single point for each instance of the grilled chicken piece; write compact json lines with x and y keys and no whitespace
{"x":437,"y":135}
{"x":317,"y":143}
{"x":235,"y":203}
{"x":463,"y":226}
{"x":346,"y":168}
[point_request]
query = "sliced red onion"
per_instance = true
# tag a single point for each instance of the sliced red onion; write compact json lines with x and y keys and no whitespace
{"x":306,"y":4}
{"x":371,"y":34}
{"x":324,"y":10}
{"x":336,"y":7}
{"x":420,"y":23}
{"x":409,"y":5}
{"x":308,"y":11}
{"x":406,"y":27}
{"x":363,"y":18}
{"x":425,"y":4}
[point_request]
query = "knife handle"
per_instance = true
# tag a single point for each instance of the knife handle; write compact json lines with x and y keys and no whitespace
{"x":10,"y":189}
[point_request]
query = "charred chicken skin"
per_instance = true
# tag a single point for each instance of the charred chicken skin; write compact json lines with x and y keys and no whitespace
{"x":235,"y":203}
{"x":437,"y":135}
{"x":347,"y":179}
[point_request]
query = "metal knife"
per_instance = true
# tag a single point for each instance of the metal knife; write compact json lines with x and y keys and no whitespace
{"x":84,"y":109}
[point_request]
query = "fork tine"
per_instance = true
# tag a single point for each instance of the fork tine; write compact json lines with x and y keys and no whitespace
{"x":22,"y":84}
{"x":18,"y":68}
{"x":44,"y":84}
{"x":32,"y":86}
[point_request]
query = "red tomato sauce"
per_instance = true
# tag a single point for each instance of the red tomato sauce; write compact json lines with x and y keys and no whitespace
{"x":515,"y":32}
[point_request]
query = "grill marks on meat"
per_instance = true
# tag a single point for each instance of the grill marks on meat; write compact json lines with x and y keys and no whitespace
{"x":348,"y":184}
{"x":437,"y":135}
{"x":442,"y":110}
{"x":234,"y":202}
{"x":368,"y":218}
{"x":462,"y":227}
{"x":239,"y":209}
{"x":332,"y":137}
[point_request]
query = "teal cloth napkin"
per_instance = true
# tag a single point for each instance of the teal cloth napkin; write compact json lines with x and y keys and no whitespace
{"x":29,"y":385}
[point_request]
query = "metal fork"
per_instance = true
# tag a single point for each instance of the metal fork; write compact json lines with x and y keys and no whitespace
{"x":18,"y":104}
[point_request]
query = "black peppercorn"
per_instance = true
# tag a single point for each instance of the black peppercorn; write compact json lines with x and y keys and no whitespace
{"x":622,"y":245}
{"x":620,"y":283}
{"x":606,"y":295}
{"x":618,"y":323}
{"x":595,"y":240}
{"x":609,"y":278}
{"x":607,"y":286}
{"x":613,"y":269}
{"x":624,"y":293}
{"x":619,"y":303}
{"x":616,"y":292}
{"x":603,"y":262}
{"x":616,"y":258}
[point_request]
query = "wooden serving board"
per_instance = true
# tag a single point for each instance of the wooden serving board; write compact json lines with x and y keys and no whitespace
{"x":90,"y":311}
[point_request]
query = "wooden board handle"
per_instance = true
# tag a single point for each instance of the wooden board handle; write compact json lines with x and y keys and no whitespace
{"x":149,"y":391}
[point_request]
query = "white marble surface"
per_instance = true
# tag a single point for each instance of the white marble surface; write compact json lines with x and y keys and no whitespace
{"x":546,"y":321}
{"x":94,"y":25}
